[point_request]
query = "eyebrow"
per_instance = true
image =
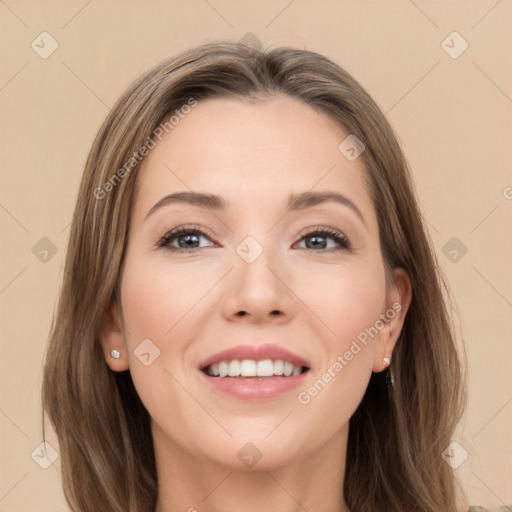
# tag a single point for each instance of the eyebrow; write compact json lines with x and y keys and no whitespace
{"x":296,"y":202}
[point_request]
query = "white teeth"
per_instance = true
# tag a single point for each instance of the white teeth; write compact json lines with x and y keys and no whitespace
{"x":247,"y":368}
{"x":279,"y":367}
{"x":265,"y":368}
{"x":297,"y":370}
{"x":251,"y":368}
{"x":288,"y":369}
{"x":223,"y":369}
{"x":234,"y":368}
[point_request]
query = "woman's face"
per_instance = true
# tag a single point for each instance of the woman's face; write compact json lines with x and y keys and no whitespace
{"x":256,"y":274}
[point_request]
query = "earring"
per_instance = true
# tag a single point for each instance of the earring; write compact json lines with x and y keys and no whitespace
{"x":389,"y":379}
{"x":389,"y":375}
{"x":115,"y":354}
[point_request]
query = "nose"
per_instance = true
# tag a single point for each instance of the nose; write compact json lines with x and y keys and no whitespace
{"x":258,"y":290}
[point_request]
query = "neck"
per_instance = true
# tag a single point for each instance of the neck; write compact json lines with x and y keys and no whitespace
{"x":189,"y":483}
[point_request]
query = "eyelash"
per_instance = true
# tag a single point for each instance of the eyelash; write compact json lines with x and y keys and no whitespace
{"x":164,"y":242}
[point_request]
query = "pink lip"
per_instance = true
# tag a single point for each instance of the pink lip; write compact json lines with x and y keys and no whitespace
{"x":254,"y":388}
{"x":255,"y":352}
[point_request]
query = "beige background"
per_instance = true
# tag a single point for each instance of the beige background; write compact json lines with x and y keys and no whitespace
{"x":452,"y":115}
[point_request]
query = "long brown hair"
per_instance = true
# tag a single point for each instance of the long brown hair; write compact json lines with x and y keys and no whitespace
{"x":396,"y":436}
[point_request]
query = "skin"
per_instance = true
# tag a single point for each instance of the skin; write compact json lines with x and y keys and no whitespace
{"x":312,"y":301}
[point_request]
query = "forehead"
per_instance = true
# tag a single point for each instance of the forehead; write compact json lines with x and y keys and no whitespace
{"x":257,"y":153}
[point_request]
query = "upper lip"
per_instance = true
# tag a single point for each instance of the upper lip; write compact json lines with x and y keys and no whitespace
{"x":255,"y":352}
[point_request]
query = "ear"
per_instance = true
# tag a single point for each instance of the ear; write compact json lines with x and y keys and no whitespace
{"x":112,"y":338}
{"x":398,"y":300}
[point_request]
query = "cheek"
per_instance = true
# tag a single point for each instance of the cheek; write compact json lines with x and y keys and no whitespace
{"x":351,"y":308}
{"x":158,"y":294}
{"x":164,"y":302}
{"x":346,"y":298}
{"x":152,"y":309}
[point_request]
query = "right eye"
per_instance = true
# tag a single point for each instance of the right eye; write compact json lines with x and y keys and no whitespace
{"x":186,"y":237}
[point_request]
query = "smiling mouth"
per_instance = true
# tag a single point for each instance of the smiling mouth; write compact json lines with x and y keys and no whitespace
{"x":252,"y":369}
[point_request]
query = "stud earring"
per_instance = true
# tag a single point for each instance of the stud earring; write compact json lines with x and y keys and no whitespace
{"x":386,"y":361}
{"x":115,"y":354}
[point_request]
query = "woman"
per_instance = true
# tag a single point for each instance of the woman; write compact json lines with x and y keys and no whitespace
{"x":252,"y":315}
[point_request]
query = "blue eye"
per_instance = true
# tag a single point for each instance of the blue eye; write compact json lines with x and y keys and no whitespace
{"x":322,"y":233}
{"x":189,"y":237}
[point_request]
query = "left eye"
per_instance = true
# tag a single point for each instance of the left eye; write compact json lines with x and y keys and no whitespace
{"x":325,"y":234}
{"x":188,"y":238}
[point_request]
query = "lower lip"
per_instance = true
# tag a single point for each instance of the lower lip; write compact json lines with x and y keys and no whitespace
{"x":254,"y":388}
